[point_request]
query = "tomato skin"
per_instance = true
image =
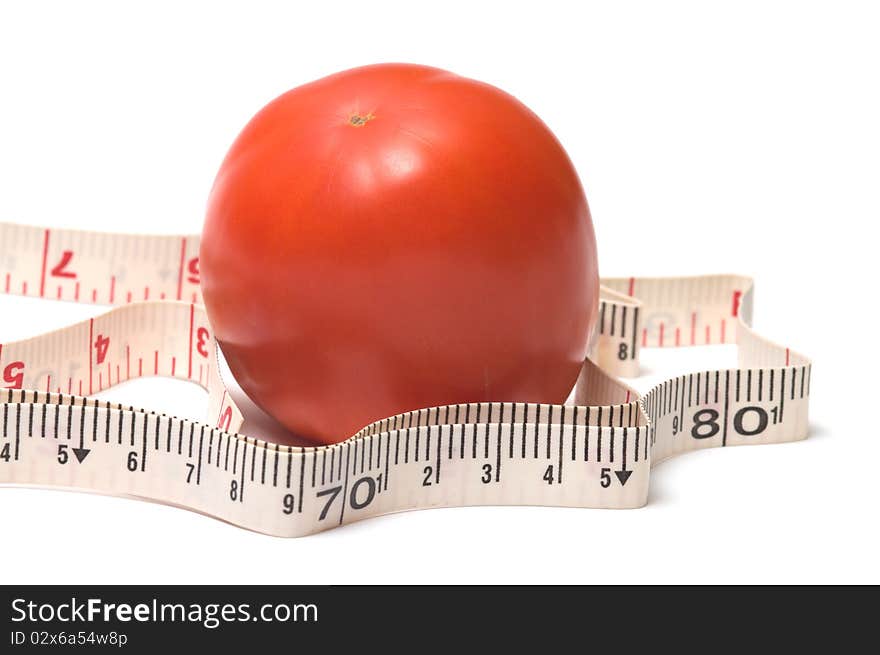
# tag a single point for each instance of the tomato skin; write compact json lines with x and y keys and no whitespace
{"x":394,"y":237}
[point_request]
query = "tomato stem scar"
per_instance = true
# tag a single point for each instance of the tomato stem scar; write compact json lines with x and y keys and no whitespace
{"x":359,"y":121}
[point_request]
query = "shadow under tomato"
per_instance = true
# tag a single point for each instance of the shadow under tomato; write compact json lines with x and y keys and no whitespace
{"x":257,"y":423}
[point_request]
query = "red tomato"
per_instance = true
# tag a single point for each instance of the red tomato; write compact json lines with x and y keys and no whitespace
{"x":394,"y":237}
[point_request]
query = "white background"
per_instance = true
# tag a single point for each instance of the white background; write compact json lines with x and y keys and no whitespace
{"x":711,"y":137}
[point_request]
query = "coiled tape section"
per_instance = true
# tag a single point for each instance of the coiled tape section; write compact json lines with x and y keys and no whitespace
{"x":595,"y":452}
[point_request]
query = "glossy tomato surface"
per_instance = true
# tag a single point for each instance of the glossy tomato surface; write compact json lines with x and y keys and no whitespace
{"x":394,"y":237}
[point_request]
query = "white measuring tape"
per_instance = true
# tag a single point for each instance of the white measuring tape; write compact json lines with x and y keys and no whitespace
{"x":597,"y":452}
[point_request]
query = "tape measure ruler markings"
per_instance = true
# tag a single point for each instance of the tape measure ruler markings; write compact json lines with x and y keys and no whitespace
{"x":597,"y":452}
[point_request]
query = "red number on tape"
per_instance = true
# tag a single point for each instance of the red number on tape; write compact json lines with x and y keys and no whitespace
{"x":202,"y":337}
{"x":193,"y":268}
{"x":13,"y":375}
{"x":58,"y":269}
{"x":225,"y":419}
{"x":101,"y":344}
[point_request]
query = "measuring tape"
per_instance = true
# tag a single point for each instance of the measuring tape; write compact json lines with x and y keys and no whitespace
{"x":596,"y":452}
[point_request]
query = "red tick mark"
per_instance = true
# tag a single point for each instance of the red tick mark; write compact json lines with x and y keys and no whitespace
{"x":91,"y":338}
{"x":737,"y":295}
{"x":45,"y":257}
{"x":180,"y":271}
{"x":192,"y":310}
